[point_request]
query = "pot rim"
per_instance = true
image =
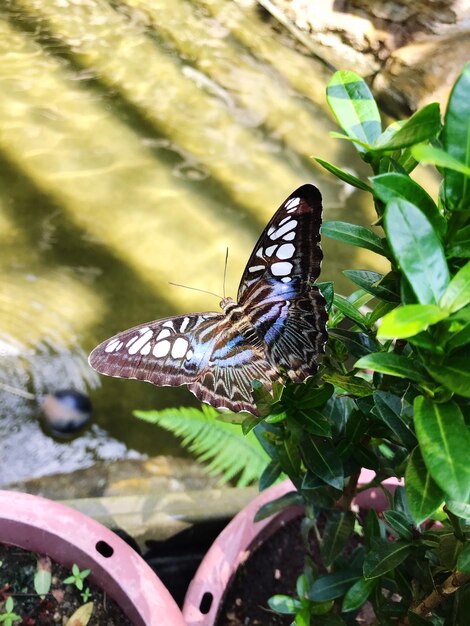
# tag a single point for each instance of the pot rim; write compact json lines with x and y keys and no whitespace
{"x":232,"y":547}
{"x":68,"y":536}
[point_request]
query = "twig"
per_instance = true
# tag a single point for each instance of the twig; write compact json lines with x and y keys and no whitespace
{"x":448,"y":587}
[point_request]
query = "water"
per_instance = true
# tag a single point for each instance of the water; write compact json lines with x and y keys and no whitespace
{"x":138,"y":140}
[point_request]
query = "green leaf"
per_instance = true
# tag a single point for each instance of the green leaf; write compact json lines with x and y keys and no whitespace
{"x":463,"y":562}
{"x":338,"y":529}
{"x":349,"y":310}
{"x":385,"y":409}
{"x":342,"y":175}
{"x":385,"y":556}
{"x":429,"y":154}
{"x":417,"y":249}
{"x":293,"y":498}
{"x":422,"y":493}
{"x":227,"y":452}
{"x":456,"y":142}
{"x":321,"y":459}
{"x":270,"y":475}
{"x":448,"y":551}
{"x":284,"y":604}
{"x":358,"y":594}
{"x":454,"y":373}
{"x":374,"y":283}
{"x":444,"y":441}
{"x":350,"y":384}
{"x":409,"y":320}
{"x":457,"y":294}
{"x":358,"y":344}
{"x":422,"y":125}
{"x":400,"y":524}
{"x":460,"y":245}
{"x":332,"y":586}
{"x":354,"y":107}
{"x":393,"y":186}
{"x":353,"y":235}
{"x":390,"y":363}
{"x":462,"y":509}
{"x":327,"y":291}
{"x":313,"y":421}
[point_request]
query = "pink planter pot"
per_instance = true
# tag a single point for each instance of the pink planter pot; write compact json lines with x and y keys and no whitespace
{"x":68,"y":537}
{"x":232,"y":547}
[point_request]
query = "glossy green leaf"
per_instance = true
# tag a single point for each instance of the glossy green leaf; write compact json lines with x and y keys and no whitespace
{"x":350,"y":384}
{"x":444,"y":441}
{"x":338,"y":529}
{"x":374,"y":283}
{"x":456,"y":142}
{"x":353,"y":235}
{"x":409,"y":320}
{"x":424,"y":496}
{"x":454,"y":373}
{"x":333,"y":586}
{"x":457,"y":294}
{"x":384,"y":409}
{"x":270,"y":475}
{"x":394,"y":185}
{"x":284,"y":604}
{"x":344,"y":176}
{"x":327,"y":291}
{"x":358,"y":344}
{"x":354,"y":107}
{"x":293,"y":498}
{"x":422,"y":125}
{"x":321,"y":458}
{"x":460,"y":245}
{"x":399,"y":524}
{"x":417,"y":249}
{"x":389,"y":363}
{"x":358,"y":594}
{"x":349,"y":310}
{"x":448,"y":551}
{"x":463,"y":562}
{"x":429,"y":154}
{"x":313,"y":421}
{"x":462,"y":509}
{"x":385,"y":556}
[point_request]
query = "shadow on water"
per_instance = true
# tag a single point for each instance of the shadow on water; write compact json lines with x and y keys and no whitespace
{"x":133,"y":150}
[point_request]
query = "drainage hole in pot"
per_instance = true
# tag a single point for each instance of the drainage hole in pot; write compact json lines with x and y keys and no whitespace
{"x":104,"y":549}
{"x":206,"y":603}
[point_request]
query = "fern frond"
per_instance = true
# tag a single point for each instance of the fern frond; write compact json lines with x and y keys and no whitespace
{"x":219,"y":444}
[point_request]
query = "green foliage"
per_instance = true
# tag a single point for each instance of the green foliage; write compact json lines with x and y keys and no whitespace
{"x":9,"y":617}
{"x":401,"y":405}
{"x":77,"y":577}
{"x":222,"y":446}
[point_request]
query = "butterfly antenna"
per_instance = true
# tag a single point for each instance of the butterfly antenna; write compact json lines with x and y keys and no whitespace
{"x":196,"y":289}
{"x":225,"y":268}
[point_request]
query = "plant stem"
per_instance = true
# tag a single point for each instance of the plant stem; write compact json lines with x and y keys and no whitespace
{"x":448,"y":587}
{"x":455,"y":521}
{"x":349,"y":492}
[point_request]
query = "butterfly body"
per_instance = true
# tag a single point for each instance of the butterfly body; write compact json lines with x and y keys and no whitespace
{"x":275,"y":329}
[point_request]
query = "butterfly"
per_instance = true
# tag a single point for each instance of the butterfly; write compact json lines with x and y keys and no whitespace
{"x":275,"y":330}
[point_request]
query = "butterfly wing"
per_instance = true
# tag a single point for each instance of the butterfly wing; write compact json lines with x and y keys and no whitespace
{"x":203,"y":351}
{"x":170,"y":351}
{"x":276,"y":289}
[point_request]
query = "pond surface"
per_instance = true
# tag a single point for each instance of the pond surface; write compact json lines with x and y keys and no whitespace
{"x":138,"y":140}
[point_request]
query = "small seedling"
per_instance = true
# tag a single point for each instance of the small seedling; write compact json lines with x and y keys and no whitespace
{"x":9,"y":617}
{"x":77,"y":577}
{"x":86,"y":594}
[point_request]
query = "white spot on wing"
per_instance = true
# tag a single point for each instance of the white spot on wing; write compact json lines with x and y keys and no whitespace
{"x":179,"y":348}
{"x":163,"y":333}
{"x":256,"y":268}
{"x":284,"y":229}
{"x":161,"y":348}
{"x":284,"y":221}
{"x":131,"y":340}
{"x":260,"y":253}
{"x":146,"y":349}
{"x":169,"y":324}
{"x":286,"y":279}
{"x":285,"y":251}
{"x":112,"y":345}
{"x":271,"y":230}
{"x":293,"y":203}
{"x":281,"y":269}
{"x":290,"y":236}
{"x":189,"y":354}
{"x":141,"y":341}
{"x":271,"y":249}
{"x":184,"y":325}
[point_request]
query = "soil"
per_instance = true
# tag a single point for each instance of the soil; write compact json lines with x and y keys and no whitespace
{"x":17,"y":570}
{"x":272,"y":567}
